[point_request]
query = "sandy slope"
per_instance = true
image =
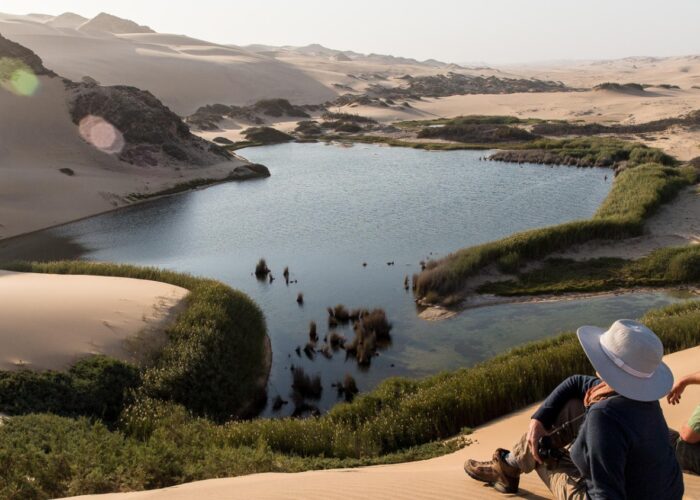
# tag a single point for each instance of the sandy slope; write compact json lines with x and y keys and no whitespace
{"x":683,"y":71}
{"x":183,"y":72}
{"x":49,"y":321}
{"x":439,"y":479}
{"x":675,"y":224}
{"x":37,"y":138}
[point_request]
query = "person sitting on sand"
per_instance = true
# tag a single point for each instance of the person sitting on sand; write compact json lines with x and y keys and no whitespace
{"x":619,"y":446}
{"x":687,"y":441}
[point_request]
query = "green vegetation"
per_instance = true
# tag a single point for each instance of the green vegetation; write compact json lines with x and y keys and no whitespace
{"x":95,"y":386}
{"x":636,"y":193}
{"x":399,"y":143}
{"x":162,"y":444}
{"x":584,"y":152}
{"x":464,"y":120}
{"x":664,"y":267}
{"x":212,"y":364}
{"x":479,"y":129}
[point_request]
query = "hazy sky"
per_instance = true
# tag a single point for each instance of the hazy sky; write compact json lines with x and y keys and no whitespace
{"x":495,"y":31}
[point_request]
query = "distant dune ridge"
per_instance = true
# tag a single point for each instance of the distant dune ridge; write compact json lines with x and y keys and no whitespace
{"x":113,"y":24}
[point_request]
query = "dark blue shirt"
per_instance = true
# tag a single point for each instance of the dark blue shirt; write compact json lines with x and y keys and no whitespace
{"x":622,"y":449}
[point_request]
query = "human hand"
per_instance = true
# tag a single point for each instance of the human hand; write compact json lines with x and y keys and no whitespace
{"x":674,"y":397}
{"x":534,"y":433}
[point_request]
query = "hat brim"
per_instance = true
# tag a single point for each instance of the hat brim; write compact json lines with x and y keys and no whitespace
{"x":639,"y":389}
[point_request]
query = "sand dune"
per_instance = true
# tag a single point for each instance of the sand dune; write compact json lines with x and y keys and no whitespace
{"x":38,"y":138}
{"x":50,"y":321}
{"x":163,"y":64}
{"x":683,"y":71}
{"x":439,"y":479}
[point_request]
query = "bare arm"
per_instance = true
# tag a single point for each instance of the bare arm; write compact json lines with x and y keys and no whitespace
{"x":689,"y":435}
{"x":674,"y":396}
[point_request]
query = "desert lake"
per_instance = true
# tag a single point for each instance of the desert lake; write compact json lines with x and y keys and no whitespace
{"x":326,"y":211}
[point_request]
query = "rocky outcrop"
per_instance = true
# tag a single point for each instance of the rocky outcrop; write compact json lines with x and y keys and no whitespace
{"x":210,"y":117}
{"x":459,"y":84}
{"x":266,"y":135}
{"x":18,"y":53}
{"x":153,"y":135}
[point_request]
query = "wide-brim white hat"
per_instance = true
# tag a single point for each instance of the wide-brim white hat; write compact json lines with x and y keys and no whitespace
{"x":628,"y":356}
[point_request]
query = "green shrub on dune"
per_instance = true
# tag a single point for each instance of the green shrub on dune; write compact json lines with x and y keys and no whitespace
{"x":213,"y":361}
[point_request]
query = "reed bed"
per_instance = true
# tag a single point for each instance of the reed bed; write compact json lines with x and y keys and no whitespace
{"x":636,"y":194}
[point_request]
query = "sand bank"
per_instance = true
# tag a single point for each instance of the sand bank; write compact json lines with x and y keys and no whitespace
{"x":439,"y":478}
{"x":49,"y":321}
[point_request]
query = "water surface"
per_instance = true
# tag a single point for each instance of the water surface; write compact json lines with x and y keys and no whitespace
{"x":326,"y":210}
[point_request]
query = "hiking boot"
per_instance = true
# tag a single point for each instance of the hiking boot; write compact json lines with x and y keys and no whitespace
{"x":503,"y":477}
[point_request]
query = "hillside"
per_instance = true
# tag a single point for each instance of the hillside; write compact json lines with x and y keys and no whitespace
{"x":68,"y":150}
{"x":183,"y":72}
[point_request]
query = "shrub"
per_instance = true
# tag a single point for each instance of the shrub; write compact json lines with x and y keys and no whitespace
{"x":95,"y":386}
{"x":261,"y":269}
{"x":305,"y":386}
{"x":215,"y":346}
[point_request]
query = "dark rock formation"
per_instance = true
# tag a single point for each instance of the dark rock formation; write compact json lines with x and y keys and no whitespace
{"x":152,"y":133}
{"x":21,"y":54}
{"x":210,"y":117}
{"x":278,"y":108}
{"x":266,"y":135}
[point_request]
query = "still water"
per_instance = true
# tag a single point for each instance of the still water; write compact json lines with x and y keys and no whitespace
{"x":326,"y":210}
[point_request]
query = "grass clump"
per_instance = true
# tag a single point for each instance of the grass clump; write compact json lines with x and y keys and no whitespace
{"x":584,"y":152}
{"x":663,"y":267}
{"x":215,"y":347}
{"x":636,"y":193}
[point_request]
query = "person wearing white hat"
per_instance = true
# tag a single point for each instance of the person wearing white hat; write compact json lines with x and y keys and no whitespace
{"x":600,"y":437}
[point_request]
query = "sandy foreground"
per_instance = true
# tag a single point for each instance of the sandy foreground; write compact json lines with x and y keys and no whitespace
{"x":49,"y":321}
{"x":439,"y":478}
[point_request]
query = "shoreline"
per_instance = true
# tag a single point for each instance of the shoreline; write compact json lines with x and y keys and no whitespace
{"x":9,"y":241}
{"x":440,"y":313}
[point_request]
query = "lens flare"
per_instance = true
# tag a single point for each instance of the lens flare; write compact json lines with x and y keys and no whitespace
{"x":17,"y":77}
{"x":101,"y":134}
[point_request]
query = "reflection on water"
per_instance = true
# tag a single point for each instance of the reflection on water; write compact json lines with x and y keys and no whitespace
{"x":327,"y":210}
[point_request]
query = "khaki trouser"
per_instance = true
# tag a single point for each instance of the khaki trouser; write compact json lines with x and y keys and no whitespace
{"x":563,"y":479}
